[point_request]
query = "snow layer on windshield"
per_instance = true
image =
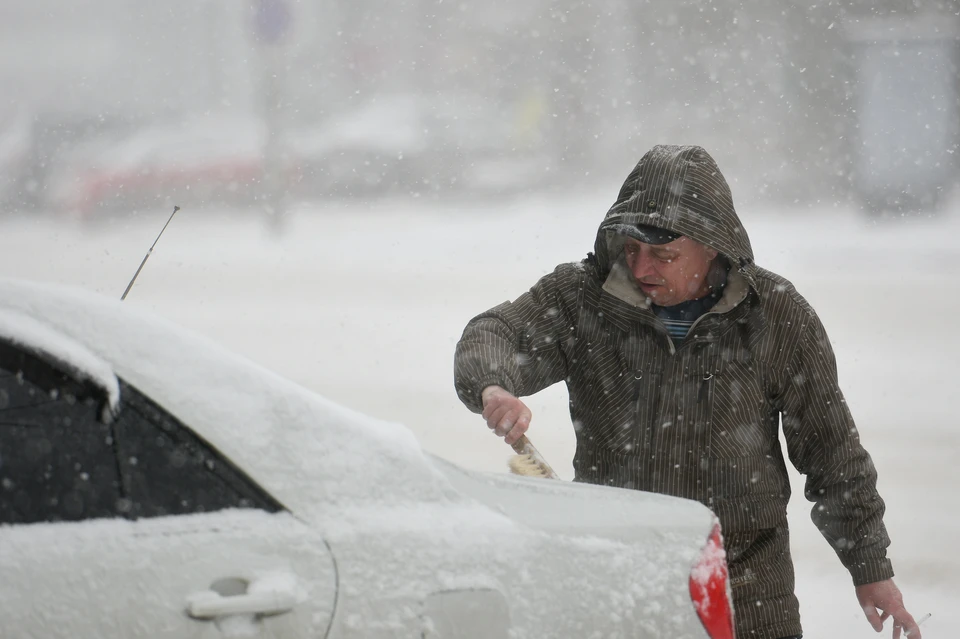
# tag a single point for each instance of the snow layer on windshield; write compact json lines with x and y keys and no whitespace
{"x":76,"y":358}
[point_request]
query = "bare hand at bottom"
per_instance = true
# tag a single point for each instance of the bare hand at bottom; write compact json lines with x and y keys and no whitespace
{"x":883,"y":599}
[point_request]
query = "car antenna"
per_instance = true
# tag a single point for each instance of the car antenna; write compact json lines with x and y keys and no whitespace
{"x":130,"y":285}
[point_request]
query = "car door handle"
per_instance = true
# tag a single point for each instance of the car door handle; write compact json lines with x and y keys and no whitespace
{"x":262,"y":599}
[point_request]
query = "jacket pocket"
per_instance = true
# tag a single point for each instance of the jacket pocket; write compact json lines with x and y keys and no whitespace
{"x":741,"y":415}
{"x":737,"y":478}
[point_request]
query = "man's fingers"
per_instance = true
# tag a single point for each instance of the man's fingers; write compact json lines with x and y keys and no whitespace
{"x":519,"y":428}
{"x":507,"y":422}
{"x":495,"y":402}
{"x":496,"y":416}
{"x":871,"y":612}
{"x":904,"y":620}
{"x":491,"y":407}
{"x":885,"y":596}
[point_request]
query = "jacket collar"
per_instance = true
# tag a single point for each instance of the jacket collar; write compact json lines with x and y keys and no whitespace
{"x":621,"y":285}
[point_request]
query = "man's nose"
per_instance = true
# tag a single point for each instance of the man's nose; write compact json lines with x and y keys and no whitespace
{"x":643,"y":267}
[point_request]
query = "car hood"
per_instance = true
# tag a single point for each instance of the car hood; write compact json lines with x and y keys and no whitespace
{"x":557,"y":506}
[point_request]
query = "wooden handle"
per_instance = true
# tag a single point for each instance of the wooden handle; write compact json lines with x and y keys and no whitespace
{"x":522,"y":445}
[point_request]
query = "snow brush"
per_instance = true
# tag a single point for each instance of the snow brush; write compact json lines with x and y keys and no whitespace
{"x":528,"y":461}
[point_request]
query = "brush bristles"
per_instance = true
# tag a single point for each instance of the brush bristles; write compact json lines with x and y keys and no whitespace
{"x":526,"y":465}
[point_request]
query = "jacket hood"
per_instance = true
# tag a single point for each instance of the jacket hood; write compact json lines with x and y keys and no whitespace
{"x":679,"y":189}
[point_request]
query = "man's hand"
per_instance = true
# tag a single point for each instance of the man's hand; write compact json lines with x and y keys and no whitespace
{"x":506,"y":415}
{"x":885,"y":597}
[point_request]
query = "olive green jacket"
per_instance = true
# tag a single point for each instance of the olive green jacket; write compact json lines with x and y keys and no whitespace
{"x":699,"y":420}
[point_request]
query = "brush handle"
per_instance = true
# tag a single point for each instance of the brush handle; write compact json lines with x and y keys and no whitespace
{"x":523,"y":447}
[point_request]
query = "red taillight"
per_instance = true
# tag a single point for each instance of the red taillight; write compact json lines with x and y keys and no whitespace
{"x":710,"y":589}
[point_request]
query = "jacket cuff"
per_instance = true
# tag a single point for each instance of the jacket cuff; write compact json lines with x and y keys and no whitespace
{"x":475,"y":401}
{"x":868,"y":572}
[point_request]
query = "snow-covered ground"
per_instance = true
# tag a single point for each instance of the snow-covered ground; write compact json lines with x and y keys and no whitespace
{"x":364,"y":303}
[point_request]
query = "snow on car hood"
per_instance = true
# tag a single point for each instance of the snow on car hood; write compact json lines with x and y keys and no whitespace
{"x":303,"y":449}
{"x":566,"y":507}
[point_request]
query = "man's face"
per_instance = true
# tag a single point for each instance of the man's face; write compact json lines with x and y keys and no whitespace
{"x":670,"y":273}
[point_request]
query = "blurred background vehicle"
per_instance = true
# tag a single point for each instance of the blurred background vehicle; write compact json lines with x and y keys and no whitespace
{"x":446,"y":142}
{"x":210,"y":158}
{"x":369,"y":150}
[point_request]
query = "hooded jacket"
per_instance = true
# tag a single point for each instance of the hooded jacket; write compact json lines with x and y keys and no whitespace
{"x":699,"y":420}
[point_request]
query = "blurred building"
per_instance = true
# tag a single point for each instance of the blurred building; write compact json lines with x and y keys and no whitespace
{"x":428,"y":96}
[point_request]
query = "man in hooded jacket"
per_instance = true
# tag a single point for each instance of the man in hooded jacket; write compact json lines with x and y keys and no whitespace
{"x":681,"y":356}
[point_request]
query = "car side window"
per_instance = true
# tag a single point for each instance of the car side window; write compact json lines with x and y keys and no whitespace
{"x":57,"y":460}
{"x":168,"y":470}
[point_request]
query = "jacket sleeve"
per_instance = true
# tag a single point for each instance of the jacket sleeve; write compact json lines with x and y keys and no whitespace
{"x":823,"y":443}
{"x":519,"y":345}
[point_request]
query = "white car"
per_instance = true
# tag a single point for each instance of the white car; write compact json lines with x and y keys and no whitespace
{"x":154,"y":485}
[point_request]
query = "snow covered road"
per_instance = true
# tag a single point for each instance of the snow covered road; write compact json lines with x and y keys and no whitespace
{"x":364,"y":303}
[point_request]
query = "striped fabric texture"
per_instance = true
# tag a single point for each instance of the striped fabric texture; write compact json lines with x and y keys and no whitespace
{"x":677,"y":328}
{"x":679,"y":319}
{"x":698,"y":419}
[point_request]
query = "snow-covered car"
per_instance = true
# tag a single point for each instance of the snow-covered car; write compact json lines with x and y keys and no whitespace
{"x":153,"y":484}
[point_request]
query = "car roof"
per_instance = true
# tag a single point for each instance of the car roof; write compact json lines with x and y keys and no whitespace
{"x":303,"y":449}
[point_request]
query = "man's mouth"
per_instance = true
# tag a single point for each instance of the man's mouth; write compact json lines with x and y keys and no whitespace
{"x":648,"y":288}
